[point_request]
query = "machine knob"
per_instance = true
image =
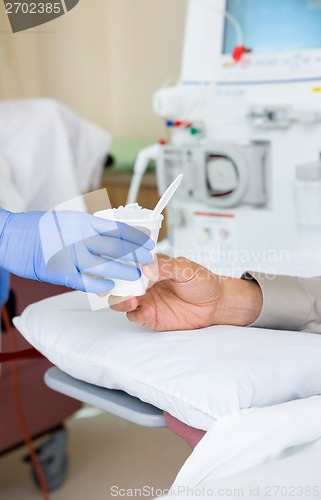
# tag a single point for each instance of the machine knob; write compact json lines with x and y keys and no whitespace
{"x":221,"y":174}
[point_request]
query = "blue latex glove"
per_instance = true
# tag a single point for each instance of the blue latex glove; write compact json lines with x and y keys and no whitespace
{"x":58,"y":247}
{"x":4,"y":286}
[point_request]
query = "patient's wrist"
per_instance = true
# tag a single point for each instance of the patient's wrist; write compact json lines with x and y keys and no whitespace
{"x":241,"y":302}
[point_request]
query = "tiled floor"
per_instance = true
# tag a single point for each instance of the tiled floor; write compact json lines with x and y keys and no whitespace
{"x":105,"y":452}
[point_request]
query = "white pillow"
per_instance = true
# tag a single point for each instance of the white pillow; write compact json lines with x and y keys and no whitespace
{"x":198,"y":376}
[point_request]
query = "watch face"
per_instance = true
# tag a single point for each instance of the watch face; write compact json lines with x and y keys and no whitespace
{"x":28,"y":14}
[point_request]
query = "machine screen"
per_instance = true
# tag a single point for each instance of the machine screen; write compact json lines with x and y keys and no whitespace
{"x":274,"y":25}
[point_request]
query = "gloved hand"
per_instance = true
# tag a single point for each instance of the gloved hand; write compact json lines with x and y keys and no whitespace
{"x":59,"y":247}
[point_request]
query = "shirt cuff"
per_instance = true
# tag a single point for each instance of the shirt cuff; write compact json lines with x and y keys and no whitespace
{"x":286,"y":304}
{"x":4,"y":214}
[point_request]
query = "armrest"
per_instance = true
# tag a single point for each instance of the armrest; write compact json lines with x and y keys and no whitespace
{"x":118,"y":403}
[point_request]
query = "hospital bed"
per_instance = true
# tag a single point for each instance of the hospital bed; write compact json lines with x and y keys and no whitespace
{"x":254,"y":392}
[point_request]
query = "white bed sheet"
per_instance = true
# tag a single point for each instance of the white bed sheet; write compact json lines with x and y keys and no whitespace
{"x":264,"y":453}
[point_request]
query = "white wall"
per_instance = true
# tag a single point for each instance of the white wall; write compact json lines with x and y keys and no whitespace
{"x":145,"y":39}
{"x":104,"y":59}
{"x":18,"y":62}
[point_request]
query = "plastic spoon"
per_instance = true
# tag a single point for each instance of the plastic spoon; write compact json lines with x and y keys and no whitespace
{"x":166,"y":197}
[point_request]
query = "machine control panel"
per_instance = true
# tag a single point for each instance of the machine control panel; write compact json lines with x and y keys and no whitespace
{"x":256,"y":67}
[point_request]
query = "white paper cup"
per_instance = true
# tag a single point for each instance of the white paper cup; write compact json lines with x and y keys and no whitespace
{"x":137,"y":217}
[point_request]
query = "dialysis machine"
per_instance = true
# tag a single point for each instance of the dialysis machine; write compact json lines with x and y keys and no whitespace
{"x":244,"y":127}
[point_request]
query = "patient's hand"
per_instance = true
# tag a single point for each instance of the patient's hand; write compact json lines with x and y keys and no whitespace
{"x":188,"y":296}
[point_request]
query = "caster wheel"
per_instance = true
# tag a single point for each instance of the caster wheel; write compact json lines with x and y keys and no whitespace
{"x":54,"y":473}
{"x":53,"y":459}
